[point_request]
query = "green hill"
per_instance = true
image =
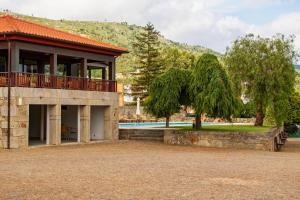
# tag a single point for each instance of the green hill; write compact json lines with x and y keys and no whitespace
{"x":121,"y":34}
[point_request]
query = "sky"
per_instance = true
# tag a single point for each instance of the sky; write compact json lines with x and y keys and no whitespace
{"x":211,"y":23}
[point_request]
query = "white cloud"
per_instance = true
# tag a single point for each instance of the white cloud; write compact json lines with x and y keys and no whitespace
{"x":209,"y":23}
{"x":285,"y":24}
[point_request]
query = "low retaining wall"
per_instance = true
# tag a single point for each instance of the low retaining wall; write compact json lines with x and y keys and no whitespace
{"x":240,"y":140}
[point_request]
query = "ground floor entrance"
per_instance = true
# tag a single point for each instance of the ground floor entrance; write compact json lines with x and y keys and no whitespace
{"x":70,"y":123}
{"x":38,"y":132}
{"x":97,"y":125}
{"x":41,"y":116}
{"x":56,"y":124}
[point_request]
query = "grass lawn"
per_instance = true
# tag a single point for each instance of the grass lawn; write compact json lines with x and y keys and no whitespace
{"x":235,"y":128}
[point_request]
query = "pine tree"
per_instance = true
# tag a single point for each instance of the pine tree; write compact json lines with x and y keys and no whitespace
{"x":146,"y":49}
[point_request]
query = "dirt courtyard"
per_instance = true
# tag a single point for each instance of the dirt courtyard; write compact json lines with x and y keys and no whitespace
{"x":139,"y":170}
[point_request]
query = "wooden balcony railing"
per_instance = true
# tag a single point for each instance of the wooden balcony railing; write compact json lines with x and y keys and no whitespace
{"x":18,"y":79}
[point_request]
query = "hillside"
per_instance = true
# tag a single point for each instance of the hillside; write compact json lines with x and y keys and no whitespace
{"x":121,"y":34}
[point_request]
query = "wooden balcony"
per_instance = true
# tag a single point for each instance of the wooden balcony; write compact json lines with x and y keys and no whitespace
{"x":18,"y":79}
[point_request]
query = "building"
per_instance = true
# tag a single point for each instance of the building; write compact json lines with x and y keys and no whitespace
{"x":53,"y":97}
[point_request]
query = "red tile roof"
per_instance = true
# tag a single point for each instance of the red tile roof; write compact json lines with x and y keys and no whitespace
{"x":13,"y":25}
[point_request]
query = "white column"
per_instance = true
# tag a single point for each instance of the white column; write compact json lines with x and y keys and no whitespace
{"x":78,"y":124}
{"x":47,"y":125}
{"x":42,"y":123}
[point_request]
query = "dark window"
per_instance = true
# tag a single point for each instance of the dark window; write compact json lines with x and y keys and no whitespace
{"x":2,"y":64}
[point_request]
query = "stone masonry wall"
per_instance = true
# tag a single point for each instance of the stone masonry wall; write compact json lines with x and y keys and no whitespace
{"x":18,"y":125}
{"x":240,"y":140}
{"x":54,"y":98}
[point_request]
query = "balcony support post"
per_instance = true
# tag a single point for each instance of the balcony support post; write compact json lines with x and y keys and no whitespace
{"x":110,"y":71}
{"x":53,"y":64}
{"x":15,"y":57}
{"x":83,"y":68}
{"x":104,"y":73}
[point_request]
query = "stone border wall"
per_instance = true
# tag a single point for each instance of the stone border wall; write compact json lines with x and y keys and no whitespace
{"x":241,"y":140}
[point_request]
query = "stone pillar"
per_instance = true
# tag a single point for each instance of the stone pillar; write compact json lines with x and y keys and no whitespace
{"x":103,"y":73}
{"x":55,"y":124}
{"x":111,"y":131}
{"x":53,"y":64}
{"x":110,"y":71}
{"x":19,"y":116}
{"x":15,"y":57}
{"x":114,"y":70}
{"x":85,"y":115}
{"x":83,"y":68}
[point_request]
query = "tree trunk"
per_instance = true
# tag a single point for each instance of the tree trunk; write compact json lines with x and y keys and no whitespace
{"x":167,"y":122}
{"x":197,"y":122}
{"x":259,"y":121}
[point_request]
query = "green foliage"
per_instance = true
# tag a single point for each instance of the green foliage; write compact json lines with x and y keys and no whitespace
{"x":149,"y":67}
{"x":167,"y":93}
{"x":263,"y":70}
{"x":246,"y":110}
{"x":211,"y":90}
{"x":293,"y":114}
{"x":269,"y":117}
{"x":297,"y":83}
{"x":177,"y":58}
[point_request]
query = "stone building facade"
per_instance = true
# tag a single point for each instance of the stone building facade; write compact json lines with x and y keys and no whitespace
{"x":54,"y":97}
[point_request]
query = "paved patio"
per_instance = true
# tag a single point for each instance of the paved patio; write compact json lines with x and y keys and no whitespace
{"x":139,"y":170}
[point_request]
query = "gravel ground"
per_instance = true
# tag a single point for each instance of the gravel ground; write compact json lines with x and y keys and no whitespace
{"x":139,"y":170}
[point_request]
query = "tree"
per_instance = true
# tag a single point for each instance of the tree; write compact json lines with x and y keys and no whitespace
{"x":211,"y":90}
{"x":293,"y":114}
{"x":149,"y":67}
{"x":176,"y":58}
{"x":246,"y":110}
{"x":167,"y":93}
{"x":262,"y":70}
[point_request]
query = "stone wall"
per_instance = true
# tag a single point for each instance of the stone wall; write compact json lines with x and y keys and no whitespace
{"x":240,"y":140}
{"x":18,"y":125}
{"x":21,"y":98}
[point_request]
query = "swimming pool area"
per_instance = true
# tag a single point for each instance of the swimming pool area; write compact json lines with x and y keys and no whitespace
{"x":163,"y":124}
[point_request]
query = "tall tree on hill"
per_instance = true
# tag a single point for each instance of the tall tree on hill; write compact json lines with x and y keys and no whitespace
{"x":149,"y":67}
{"x":263,"y":70}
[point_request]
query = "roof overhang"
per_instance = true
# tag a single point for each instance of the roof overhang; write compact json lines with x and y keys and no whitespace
{"x":60,"y":43}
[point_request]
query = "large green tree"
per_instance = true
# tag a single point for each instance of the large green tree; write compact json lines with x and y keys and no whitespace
{"x":176,"y":58}
{"x":167,"y":93}
{"x":293,"y":114}
{"x":211,"y":90}
{"x":146,"y":49}
{"x":263,"y":71}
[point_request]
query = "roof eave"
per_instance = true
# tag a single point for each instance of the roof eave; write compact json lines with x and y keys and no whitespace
{"x":65,"y":41}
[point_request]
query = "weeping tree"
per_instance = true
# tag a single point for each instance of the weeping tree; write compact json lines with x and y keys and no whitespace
{"x":263,"y":71}
{"x":211,"y":90}
{"x":167,"y":93}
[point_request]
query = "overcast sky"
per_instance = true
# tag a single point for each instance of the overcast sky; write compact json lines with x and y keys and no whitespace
{"x":211,"y":23}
